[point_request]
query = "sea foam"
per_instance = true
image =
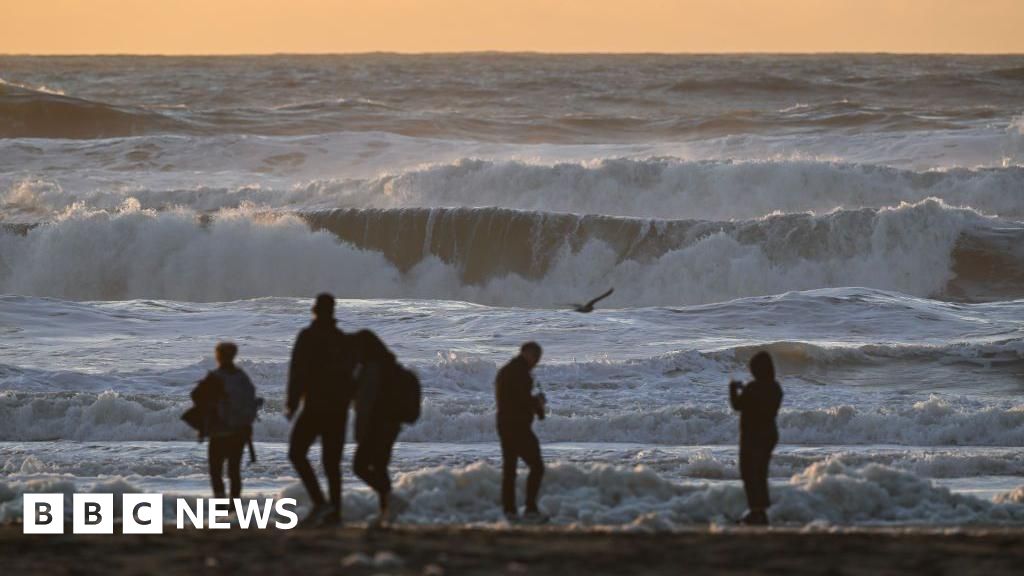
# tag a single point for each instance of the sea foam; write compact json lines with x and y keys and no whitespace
{"x":502,"y":257}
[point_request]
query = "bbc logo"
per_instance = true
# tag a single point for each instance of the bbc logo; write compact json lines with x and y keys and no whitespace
{"x":93,"y":514}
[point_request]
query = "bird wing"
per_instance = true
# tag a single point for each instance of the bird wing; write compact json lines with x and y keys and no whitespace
{"x":601,"y":297}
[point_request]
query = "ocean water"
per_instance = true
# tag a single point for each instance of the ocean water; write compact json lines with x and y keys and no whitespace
{"x":861,"y":217}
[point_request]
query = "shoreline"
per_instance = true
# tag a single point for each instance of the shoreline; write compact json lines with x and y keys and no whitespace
{"x":545,"y":550}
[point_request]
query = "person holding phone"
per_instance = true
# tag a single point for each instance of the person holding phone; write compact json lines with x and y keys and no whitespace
{"x":758,"y":403}
{"x":517,"y":405}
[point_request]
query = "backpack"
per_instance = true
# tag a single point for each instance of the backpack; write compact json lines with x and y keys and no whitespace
{"x":408,"y":395}
{"x":238,"y":411}
{"x":204,"y":415}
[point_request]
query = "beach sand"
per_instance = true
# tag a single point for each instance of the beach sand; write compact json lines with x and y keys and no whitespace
{"x":541,"y":551}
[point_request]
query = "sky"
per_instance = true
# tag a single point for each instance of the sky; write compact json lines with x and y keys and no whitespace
{"x":341,"y":26}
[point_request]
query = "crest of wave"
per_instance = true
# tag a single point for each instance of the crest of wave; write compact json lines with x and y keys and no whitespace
{"x":246,"y":252}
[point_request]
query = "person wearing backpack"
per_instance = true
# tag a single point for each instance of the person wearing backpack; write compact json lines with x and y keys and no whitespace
{"x":233,"y":406}
{"x":388,"y":396}
{"x":517,"y":406}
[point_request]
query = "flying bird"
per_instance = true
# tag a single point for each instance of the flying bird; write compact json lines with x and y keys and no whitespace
{"x":589,"y":306}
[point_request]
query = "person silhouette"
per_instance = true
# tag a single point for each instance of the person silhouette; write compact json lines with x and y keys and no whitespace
{"x":230,"y":418}
{"x":758,"y":403}
{"x":320,"y":379}
{"x":516,"y":408}
{"x":377,"y":421}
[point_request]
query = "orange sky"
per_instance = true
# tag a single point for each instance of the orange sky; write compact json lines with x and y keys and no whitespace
{"x":262,"y":26}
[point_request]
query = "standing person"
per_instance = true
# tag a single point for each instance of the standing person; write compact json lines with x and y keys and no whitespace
{"x":320,"y":379}
{"x":758,"y":403}
{"x":378,"y":420}
{"x":229,"y":423}
{"x":517,"y":406}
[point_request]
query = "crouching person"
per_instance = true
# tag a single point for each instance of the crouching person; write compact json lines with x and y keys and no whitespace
{"x":758,"y":403}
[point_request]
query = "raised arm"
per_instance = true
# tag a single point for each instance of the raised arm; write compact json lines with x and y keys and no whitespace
{"x":736,"y":395}
{"x":524,"y":393}
{"x":515,"y":392}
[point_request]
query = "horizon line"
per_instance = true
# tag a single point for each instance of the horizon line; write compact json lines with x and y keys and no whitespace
{"x":499,"y":52}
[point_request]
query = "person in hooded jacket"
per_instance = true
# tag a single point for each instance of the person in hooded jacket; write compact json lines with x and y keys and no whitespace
{"x":758,"y":403}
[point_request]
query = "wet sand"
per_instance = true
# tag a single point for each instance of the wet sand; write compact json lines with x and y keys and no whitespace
{"x":543,"y":551}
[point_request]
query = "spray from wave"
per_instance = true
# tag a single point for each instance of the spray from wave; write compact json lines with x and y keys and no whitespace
{"x":653,"y":187}
{"x":503,"y":257}
{"x":670,"y":188}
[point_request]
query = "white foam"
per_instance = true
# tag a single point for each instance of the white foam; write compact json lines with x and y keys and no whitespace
{"x":638,"y":187}
{"x":454,"y":418}
{"x":827,"y":492}
{"x":670,"y":188}
{"x":134,"y":253}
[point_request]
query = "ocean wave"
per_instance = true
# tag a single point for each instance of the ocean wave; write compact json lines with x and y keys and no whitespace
{"x":670,"y":188}
{"x":496,"y":256}
{"x":652,"y":187}
{"x":936,"y":421}
{"x":36,"y":113}
{"x":184,"y":461}
{"x":511,"y":98}
{"x":795,"y":355}
{"x":32,"y":113}
{"x":933,"y":422}
{"x":825,"y":493}
{"x":509,"y":257}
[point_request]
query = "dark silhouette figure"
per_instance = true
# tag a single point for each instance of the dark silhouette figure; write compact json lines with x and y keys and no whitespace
{"x":589,"y":306}
{"x":377,"y":420}
{"x":232,"y":405}
{"x":320,"y":378}
{"x":517,"y":406}
{"x":758,"y":403}
{"x":205,"y":396}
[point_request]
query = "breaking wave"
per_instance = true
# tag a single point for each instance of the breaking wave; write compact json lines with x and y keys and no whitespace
{"x":504,"y":257}
{"x":653,"y":187}
{"x":825,"y":493}
{"x":936,"y":421}
{"x":670,"y":188}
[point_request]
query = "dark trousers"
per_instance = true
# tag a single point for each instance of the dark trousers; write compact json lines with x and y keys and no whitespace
{"x":373,"y":456}
{"x":519,"y":442}
{"x":228,"y":449}
{"x":754,"y":460}
{"x":330,"y":428}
